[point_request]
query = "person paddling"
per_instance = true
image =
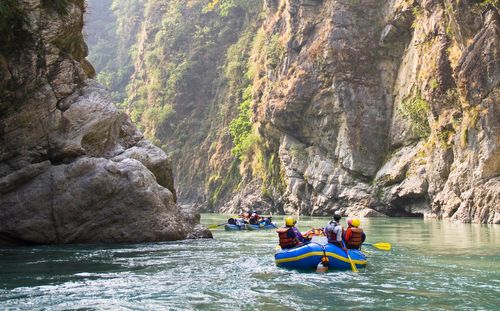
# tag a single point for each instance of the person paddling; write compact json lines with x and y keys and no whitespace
{"x":289,"y":235}
{"x":267,"y":220}
{"x":333,"y":232}
{"x":354,"y":236}
{"x":254,"y":219}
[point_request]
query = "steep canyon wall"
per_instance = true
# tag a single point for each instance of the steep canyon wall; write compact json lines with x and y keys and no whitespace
{"x":369,"y":107}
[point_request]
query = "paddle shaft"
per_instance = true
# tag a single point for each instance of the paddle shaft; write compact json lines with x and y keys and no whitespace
{"x":353,"y":266}
{"x":215,"y":226}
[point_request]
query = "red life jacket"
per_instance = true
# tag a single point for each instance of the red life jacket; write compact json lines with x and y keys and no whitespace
{"x":355,"y":238}
{"x":285,"y":240}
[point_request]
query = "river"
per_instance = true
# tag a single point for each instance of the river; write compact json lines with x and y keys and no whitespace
{"x":433,"y":265}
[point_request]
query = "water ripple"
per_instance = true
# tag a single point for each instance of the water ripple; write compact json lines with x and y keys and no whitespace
{"x":236,"y":271}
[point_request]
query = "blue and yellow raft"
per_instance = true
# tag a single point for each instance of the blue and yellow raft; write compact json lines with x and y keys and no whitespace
{"x":308,"y":256}
{"x":250,"y":227}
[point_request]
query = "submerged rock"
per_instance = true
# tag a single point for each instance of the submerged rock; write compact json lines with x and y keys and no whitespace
{"x":73,"y":168}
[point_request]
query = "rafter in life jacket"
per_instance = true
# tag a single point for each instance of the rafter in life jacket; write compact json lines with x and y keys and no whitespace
{"x":285,"y":240}
{"x":353,"y":237}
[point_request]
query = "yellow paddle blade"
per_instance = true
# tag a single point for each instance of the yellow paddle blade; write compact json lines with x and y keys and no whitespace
{"x":383,"y":246}
{"x":353,"y":266}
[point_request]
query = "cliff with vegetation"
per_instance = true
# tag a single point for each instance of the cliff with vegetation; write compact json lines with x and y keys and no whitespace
{"x":311,"y":106}
{"x":73,"y":168}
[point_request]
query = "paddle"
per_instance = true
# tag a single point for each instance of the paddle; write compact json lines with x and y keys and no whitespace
{"x":380,"y":245}
{"x":353,"y":266}
{"x":215,"y":226}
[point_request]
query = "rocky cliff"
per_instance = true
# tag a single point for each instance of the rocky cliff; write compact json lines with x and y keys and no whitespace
{"x":390,"y":106}
{"x":309,"y":106}
{"x":73,"y":168}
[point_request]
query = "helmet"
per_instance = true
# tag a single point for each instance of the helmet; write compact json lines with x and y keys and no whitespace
{"x":349,"y":222}
{"x":290,"y":222}
{"x":337,"y":217}
{"x":356,"y":222}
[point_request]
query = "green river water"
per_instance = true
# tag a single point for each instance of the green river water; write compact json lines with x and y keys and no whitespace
{"x":433,"y":265}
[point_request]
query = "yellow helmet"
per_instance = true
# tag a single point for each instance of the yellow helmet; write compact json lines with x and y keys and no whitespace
{"x":290,"y":221}
{"x":356,"y":222}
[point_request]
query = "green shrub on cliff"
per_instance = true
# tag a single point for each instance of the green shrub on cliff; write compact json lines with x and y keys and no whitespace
{"x":485,"y":3}
{"x":12,"y":22}
{"x":224,"y":7}
{"x":237,"y":62}
{"x":416,"y":110}
{"x":224,"y":184}
{"x":299,"y":152}
{"x":155,"y":116}
{"x":9,"y":12}
{"x":241,"y":127}
{"x":274,"y":51}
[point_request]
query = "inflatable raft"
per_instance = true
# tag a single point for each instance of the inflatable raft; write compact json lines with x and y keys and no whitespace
{"x":234,"y":227}
{"x":308,"y":256}
{"x":261,"y":227}
{"x":250,"y":227}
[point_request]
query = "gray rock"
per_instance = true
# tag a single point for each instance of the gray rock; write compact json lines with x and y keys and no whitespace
{"x":74,"y":169}
{"x":154,"y":159}
{"x":394,"y":170}
{"x":471,"y":191}
{"x":92,"y":200}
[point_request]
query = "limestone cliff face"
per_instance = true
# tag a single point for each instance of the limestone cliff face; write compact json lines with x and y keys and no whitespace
{"x":73,"y":169}
{"x":368,"y":107}
{"x":386,"y":108}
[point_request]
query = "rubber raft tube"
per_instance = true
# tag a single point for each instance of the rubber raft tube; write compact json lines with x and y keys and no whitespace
{"x":308,"y":257}
{"x":249,"y":227}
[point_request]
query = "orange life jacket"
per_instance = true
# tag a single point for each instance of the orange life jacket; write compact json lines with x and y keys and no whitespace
{"x":356,"y":237}
{"x":285,"y":240}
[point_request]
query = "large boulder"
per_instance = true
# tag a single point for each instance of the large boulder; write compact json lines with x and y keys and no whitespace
{"x":73,"y":168}
{"x":89,"y":200}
